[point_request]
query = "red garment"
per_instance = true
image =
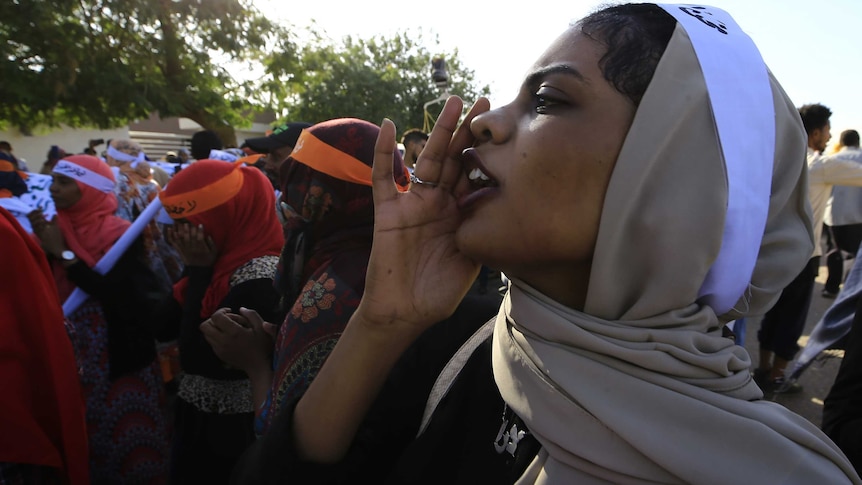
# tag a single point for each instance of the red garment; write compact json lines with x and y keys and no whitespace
{"x":90,"y":227}
{"x":243,"y":228}
{"x":42,"y":409}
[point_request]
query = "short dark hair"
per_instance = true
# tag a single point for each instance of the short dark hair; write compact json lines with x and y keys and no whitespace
{"x":814,"y":116}
{"x":636,"y":36}
{"x":5,"y":146}
{"x":203,"y":142}
{"x":849,"y":138}
{"x":413,"y":135}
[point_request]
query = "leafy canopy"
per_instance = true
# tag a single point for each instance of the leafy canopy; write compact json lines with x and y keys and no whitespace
{"x":104,"y":63}
{"x":364,"y":78}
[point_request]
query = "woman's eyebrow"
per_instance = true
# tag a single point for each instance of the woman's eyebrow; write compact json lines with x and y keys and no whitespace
{"x":566,"y":69}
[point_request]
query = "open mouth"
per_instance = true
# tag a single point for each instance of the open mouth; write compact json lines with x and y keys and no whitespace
{"x":475,"y":171}
{"x":479,"y":179}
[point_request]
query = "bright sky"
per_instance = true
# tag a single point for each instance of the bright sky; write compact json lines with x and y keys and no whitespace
{"x":812,"y":46}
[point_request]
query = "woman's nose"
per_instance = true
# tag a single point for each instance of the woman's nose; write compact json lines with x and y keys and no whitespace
{"x":493,"y":126}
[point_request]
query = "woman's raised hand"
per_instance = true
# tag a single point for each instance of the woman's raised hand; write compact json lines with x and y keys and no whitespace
{"x":416,"y":274}
{"x":48,"y":233}
{"x":416,"y":277}
{"x":195,"y":247}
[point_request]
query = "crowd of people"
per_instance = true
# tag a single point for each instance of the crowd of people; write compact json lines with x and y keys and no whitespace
{"x":314,"y":285}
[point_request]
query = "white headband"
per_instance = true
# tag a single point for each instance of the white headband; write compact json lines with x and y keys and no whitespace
{"x":223,"y":156}
{"x":84,"y":175}
{"x":125,"y":157}
{"x":742,"y":107}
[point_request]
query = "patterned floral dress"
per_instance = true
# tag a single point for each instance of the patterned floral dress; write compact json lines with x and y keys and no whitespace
{"x":328,"y":226}
{"x":125,"y":410}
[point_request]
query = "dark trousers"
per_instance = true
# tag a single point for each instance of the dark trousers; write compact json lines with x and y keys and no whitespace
{"x":842,"y":414}
{"x":782,"y":325}
{"x":844,"y":239}
{"x":206,"y":446}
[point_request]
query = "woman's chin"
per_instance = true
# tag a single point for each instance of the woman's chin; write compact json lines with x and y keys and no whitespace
{"x":476,"y":243}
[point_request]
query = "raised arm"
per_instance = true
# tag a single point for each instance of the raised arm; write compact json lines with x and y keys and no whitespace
{"x":416,"y":277}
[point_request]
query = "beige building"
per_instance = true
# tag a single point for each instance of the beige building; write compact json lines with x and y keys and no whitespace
{"x":157,"y":136}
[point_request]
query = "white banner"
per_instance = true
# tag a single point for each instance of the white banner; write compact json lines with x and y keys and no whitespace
{"x":117,"y":250}
{"x":38,"y":195}
{"x":741,"y":100}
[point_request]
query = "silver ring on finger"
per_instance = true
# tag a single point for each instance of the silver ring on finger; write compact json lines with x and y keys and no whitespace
{"x":416,"y":180}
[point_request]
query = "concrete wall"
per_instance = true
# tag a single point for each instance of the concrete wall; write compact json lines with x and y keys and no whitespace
{"x":172,"y":133}
{"x":34,"y":149}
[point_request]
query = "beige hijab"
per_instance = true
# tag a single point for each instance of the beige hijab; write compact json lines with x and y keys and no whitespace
{"x":641,"y":387}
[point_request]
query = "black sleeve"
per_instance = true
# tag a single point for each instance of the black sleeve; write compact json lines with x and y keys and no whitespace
{"x":391,"y":423}
{"x":127,"y":293}
{"x":24,"y":473}
{"x":196,"y":355}
{"x":842,"y":408}
{"x":167,"y":316}
{"x":129,"y":282}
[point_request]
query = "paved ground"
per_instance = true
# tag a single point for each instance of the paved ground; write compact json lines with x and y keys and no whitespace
{"x":816,"y":380}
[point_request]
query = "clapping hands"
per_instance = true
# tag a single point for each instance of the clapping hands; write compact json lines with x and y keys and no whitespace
{"x":241,"y":340}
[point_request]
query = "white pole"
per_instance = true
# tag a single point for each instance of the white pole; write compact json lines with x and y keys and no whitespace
{"x":118,"y":249}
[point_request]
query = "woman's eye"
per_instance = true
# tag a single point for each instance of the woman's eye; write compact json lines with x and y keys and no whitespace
{"x":544,"y":102}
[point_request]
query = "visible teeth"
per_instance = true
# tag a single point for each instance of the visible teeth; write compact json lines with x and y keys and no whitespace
{"x":477,"y":173}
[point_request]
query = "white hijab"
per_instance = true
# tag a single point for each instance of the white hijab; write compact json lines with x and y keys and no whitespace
{"x":641,"y":387}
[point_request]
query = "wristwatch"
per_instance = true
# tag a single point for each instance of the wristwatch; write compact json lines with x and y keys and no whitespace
{"x":68,"y":256}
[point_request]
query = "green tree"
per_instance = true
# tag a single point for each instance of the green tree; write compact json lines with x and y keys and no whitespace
{"x":364,"y":78}
{"x":105,"y":62}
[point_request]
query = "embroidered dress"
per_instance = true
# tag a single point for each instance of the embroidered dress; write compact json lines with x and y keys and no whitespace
{"x":115,"y":350}
{"x":328,"y":225}
{"x":233,"y":205}
{"x":214,"y":413}
{"x":125,"y":416}
{"x":311,"y":329}
{"x":227,"y":396}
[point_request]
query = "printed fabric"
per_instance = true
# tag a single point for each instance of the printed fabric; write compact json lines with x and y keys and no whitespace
{"x":125,"y":416}
{"x":328,"y":230}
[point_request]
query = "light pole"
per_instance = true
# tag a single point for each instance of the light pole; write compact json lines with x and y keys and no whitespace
{"x":441,"y":78}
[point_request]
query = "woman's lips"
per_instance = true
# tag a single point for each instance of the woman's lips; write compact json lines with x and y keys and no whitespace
{"x":480,"y":182}
{"x":468,"y":200}
{"x":477,"y":174}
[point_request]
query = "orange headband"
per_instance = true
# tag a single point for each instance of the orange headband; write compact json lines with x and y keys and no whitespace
{"x":6,"y":166}
{"x":187,"y":204}
{"x":250,"y":159}
{"x":325,"y":158}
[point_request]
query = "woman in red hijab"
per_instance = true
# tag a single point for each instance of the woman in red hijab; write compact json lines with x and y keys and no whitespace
{"x":227,"y":232}
{"x":44,"y":437}
{"x":120,"y":376}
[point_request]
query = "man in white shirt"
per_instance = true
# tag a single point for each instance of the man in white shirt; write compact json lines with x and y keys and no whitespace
{"x":843,"y":216}
{"x":414,"y":141}
{"x":782,"y":326}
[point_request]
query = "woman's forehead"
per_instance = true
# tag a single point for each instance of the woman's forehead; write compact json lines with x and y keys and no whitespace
{"x":573,"y":48}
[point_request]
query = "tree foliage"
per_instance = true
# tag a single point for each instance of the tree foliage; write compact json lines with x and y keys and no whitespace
{"x":364,"y":78}
{"x":106,"y":62}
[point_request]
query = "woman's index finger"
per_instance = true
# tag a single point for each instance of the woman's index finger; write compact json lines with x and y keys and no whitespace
{"x":383,"y":184}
